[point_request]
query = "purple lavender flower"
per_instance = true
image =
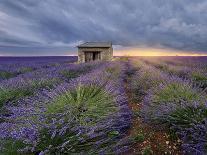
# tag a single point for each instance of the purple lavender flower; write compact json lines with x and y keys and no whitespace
{"x":66,"y":130}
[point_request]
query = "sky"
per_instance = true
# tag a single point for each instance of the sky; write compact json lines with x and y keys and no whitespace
{"x":135,"y":27}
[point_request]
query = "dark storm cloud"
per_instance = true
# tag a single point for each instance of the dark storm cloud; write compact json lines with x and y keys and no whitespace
{"x":173,"y":24}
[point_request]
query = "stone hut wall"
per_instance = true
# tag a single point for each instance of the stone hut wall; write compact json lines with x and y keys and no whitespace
{"x":106,"y":53}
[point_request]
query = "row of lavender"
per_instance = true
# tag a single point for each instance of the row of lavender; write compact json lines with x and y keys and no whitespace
{"x":14,"y":89}
{"x":44,"y":76}
{"x":191,"y":69}
{"x":199,"y":62}
{"x":14,"y":66}
{"x":88,"y":113}
{"x":172,"y":102}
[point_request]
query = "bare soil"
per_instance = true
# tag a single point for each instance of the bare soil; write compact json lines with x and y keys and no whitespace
{"x":149,"y":139}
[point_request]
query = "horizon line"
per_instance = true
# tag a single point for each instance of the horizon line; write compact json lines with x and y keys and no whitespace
{"x":114,"y":56}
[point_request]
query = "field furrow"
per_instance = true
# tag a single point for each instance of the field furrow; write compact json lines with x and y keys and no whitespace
{"x":131,"y":105}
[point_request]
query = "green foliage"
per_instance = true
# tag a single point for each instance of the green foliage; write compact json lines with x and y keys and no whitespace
{"x":11,"y":147}
{"x":72,"y":143}
{"x":136,"y":113}
{"x":55,"y":64}
{"x":176,"y":92}
{"x":148,"y":80}
{"x":113,"y":133}
{"x":139,"y":138}
{"x":124,"y":58}
{"x":179,"y":71}
{"x":141,"y":83}
{"x":69,"y":74}
{"x":40,"y":84}
{"x":6,"y":75}
{"x":172,"y":135}
{"x":184,"y":117}
{"x":90,"y":103}
{"x":163,"y":67}
{"x":7,"y":95}
{"x":25,"y":70}
{"x":200,"y":79}
{"x":85,"y":105}
{"x":147,"y":151}
{"x":72,"y":138}
{"x":113,"y":71}
{"x":12,"y":95}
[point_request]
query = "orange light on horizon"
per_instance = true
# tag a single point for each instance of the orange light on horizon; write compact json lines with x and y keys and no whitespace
{"x":154,"y":52}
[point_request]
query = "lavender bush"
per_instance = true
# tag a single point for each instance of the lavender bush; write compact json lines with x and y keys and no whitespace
{"x":88,"y":114}
{"x":194,"y":138}
{"x":192,"y":71}
{"x":28,"y":84}
{"x":174,"y":103}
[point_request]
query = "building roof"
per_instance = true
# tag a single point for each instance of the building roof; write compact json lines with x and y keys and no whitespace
{"x":96,"y":44}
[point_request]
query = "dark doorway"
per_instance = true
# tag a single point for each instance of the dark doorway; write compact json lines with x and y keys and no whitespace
{"x":96,"y":56}
{"x":92,"y":56}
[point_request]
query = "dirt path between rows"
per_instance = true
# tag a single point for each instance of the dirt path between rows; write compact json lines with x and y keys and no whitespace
{"x":148,"y":140}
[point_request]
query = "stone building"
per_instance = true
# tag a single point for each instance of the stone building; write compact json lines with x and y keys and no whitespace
{"x":93,"y":51}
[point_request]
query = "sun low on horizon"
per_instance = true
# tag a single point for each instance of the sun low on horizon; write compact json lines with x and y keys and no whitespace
{"x":155,"y":52}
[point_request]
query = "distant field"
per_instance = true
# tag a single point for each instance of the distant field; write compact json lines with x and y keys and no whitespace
{"x":145,"y":105}
{"x":39,"y":59}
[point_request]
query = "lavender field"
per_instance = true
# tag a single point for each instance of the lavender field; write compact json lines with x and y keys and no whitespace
{"x":131,"y":105}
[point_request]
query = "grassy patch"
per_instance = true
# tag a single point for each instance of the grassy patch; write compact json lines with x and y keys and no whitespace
{"x":7,"y":95}
{"x":183,"y":115}
{"x":111,"y":70}
{"x":89,"y":103}
{"x":113,"y":134}
{"x":186,"y":116}
{"x":163,"y":67}
{"x":200,"y":79}
{"x":172,"y":135}
{"x":176,"y":92}
{"x":139,"y":138}
{"x":69,"y":74}
{"x":124,"y":58}
{"x":141,"y":83}
{"x":6,"y":75}
{"x":25,"y":70}
{"x":11,"y":147}
{"x":85,"y":105}
{"x":114,"y":71}
{"x":136,"y":113}
{"x":49,"y":83}
{"x":147,"y":151}
{"x":46,"y":140}
{"x":14,"y":94}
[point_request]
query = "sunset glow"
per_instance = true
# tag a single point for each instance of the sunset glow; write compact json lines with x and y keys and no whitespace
{"x":154,"y":52}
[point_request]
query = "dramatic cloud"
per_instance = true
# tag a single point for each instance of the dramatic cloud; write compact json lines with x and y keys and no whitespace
{"x":56,"y":26}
